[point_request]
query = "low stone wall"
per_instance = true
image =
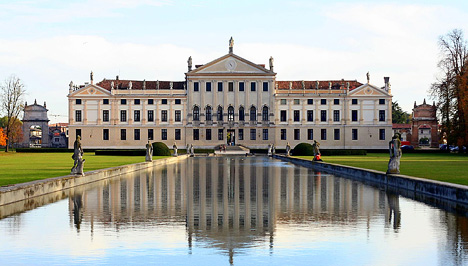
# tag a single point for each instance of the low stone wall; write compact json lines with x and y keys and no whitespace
{"x":449,"y":191}
{"x":24,"y":191}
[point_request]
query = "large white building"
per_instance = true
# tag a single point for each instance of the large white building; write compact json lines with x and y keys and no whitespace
{"x":230,"y":100}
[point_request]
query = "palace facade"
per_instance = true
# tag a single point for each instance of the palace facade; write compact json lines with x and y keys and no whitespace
{"x":231,"y":101}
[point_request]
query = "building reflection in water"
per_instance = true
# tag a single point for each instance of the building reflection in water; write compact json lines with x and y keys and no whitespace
{"x":234,"y":203}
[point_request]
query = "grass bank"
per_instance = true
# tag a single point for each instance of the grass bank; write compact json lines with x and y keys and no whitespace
{"x":24,"y":167}
{"x":447,"y":167}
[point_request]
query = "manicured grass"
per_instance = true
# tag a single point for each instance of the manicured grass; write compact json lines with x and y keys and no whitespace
{"x":445,"y":167}
{"x":24,"y":167}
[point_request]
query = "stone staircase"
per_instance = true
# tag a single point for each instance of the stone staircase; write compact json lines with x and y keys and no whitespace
{"x":231,"y":150}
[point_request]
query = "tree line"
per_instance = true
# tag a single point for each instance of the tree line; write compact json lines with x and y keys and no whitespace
{"x":12,"y":92}
{"x":451,"y":87}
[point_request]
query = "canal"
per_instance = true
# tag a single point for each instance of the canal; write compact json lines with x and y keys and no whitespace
{"x":232,"y":210}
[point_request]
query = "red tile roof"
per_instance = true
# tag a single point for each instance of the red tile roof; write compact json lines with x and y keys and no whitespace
{"x":323,"y":84}
{"x":138,"y":84}
{"x":401,"y":126}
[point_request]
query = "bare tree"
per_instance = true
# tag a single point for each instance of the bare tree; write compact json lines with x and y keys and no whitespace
{"x":12,"y":92}
{"x":451,"y":89}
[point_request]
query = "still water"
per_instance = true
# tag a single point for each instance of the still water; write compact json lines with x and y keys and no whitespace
{"x":238,"y":211}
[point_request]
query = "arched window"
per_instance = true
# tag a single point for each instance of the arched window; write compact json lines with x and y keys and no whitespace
{"x":253,"y":113}
{"x":230,"y":113}
{"x":196,"y":113}
{"x":241,"y":114}
{"x":208,"y":113}
{"x":265,"y":113}
{"x":220,"y":113}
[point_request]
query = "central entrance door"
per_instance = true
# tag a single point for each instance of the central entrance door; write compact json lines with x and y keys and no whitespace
{"x":231,"y":137}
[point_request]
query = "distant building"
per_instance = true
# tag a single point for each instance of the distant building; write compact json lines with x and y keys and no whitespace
{"x":58,"y":135}
{"x":404,"y":130}
{"x":425,"y":130}
{"x":231,"y":101}
{"x":35,"y":126}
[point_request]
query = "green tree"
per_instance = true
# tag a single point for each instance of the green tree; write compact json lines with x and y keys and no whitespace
{"x":451,"y":88}
{"x":398,"y":115}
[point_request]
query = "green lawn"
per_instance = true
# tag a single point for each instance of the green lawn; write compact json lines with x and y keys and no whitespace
{"x":448,"y":167}
{"x":23,"y":167}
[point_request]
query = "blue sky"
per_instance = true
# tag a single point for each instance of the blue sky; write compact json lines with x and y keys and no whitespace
{"x":50,"y":43}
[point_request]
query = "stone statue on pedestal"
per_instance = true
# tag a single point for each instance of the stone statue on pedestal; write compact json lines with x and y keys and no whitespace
{"x":269,"y":149}
{"x":395,"y":155}
{"x":316,"y":149}
{"x":149,"y":152}
{"x":191,"y":151}
{"x":288,"y":149}
{"x":175,"y":149}
{"x":78,"y":157}
{"x":273,"y":149}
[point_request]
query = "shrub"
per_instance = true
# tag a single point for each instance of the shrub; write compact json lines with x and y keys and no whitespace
{"x":303,"y":149}
{"x":160,"y":149}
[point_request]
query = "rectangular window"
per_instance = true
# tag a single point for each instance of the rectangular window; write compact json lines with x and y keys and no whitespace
{"x":381,"y":101}
{"x":241,"y":134}
{"x":78,"y":132}
{"x":323,"y":101}
{"x":123,"y":101}
{"x":297,"y":101}
{"x":136,"y":115}
{"x":177,"y":116}
{"x":381,"y":115}
{"x":136,"y":134}
{"x":283,"y":115}
{"x":150,"y":134}
{"x":354,"y":134}
{"x":123,"y":115}
{"x":123,"y":134}
{"x":323,"y":115}
{"x":265,"y":134}
{"x":105,"y":115}
{"x":297,"y":134}
{"x":336,"y":101}
{"x":78,"y":115}
{"x":323,"y":134}
{"x":196,"y":134}
{"x":220,"y":86}
{"x":177,"y":134}
{"x":208,"y":134}
{"x":354,"y":115}
{"x":336,"y":115}
{"x":230,"y":86}
{"x":163,"y":115}
{"x":265,"y":86}
{"x":208,"y":86}
{"x":283,"y":101}
{"x":78,"y":101}
{"x":105,"y":101}
{"x":310,"y":115}
{"x":382,"y":134}
{"x":164,"y":134}
{"x":241,"y":86}
{"x":253,"y":134}
{"x":283,"y":134}
{"x":163,"y":101}
{"x":105,"y":134}
{"x":177,"y":101}
{"x":253,"y":86}
{"x":310,"y":101}
{"x":354,"y":101}
{"x":150,"y":101}
{"x":136,"y":101}
{"x":336,"y":134}
{"x":241,"y":114}
{"x":220,"y":134}
{"x":150,"y":115}
{"x":196,"y":86}
{"x":296,"y":116}
{"x":310,"y":134}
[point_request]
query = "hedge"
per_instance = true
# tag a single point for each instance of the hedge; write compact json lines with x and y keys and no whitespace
{"x":43,"y":150}
{"x":121,"y":152}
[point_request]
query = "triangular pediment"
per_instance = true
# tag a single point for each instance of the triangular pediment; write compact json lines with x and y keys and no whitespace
{"x":231,"y":64}
{"x":90,"y":90}
{"x":369,"y":90}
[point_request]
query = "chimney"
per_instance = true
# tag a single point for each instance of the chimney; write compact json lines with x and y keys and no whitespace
{"x":117,"y":77}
